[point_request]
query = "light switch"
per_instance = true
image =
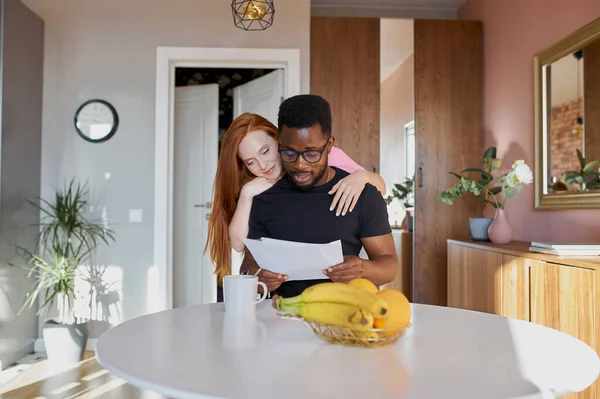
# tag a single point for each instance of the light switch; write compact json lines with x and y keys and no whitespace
{"x":135,"y":215}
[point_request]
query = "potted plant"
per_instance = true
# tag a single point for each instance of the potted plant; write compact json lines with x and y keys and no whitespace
{"x":510,"y":184}
{"x":588,"y":176}
{"x":66,"y":240}
{"x":404,"y":192}
{"x":484,"y":184}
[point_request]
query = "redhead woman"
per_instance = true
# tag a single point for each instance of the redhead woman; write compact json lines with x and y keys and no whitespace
{"x":249,"y":164}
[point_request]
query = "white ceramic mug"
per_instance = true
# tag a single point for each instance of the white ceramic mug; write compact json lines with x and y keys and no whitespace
{"x":240,"y":292}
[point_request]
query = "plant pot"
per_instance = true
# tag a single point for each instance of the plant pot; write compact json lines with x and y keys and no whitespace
{"x":479,"y":228}
{"x":500,"y":231}
{"x":65,"y":343}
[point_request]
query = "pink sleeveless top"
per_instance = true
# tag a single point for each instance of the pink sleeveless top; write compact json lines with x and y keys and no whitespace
{"x":339,"y":159}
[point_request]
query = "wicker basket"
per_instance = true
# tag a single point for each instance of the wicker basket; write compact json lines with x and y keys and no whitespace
{"x":371,"y":338}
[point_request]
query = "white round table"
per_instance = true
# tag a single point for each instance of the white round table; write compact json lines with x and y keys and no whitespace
{"x":199,"y":352}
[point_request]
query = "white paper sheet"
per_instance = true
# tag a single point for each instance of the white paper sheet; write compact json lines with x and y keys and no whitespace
{"x":299,"y":260}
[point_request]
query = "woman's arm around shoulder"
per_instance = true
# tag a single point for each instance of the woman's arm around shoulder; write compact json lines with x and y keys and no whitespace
{"x":348,"y":190}
{"x":341,"y":160}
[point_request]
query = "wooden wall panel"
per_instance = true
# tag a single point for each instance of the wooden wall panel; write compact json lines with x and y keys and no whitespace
{"x":344,"y":69}
{"x":449,"y":137}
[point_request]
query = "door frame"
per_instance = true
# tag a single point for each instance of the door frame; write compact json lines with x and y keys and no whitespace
{"x":167,"y":59}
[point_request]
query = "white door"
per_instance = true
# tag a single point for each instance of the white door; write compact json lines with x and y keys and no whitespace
{"x":260,"y":96}
{"x":196,"y":141}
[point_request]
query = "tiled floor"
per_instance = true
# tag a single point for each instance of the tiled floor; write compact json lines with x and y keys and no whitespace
{"x":34,"y":377}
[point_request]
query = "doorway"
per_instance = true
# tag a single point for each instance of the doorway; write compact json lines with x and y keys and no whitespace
{"x":207,"y":100}
{"x":169,"y":60}
{"x":396,"y":139}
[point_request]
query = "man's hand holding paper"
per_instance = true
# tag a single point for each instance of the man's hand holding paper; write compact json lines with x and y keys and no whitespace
{"x":351,"y":268}
{"x":296,"y":260}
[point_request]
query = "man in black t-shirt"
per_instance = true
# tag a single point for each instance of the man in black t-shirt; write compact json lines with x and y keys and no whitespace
{"x":297,"y":207}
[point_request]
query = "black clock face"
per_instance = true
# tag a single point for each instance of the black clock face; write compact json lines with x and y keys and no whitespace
{"x":96,"y":121}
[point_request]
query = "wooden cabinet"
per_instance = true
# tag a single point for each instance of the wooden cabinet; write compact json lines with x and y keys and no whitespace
{"x":508,"y":280}
{"x":448,"y":121}
{"x":344,"y":69}
{"x":473,"y":272}
{"x":404,"y":247}
{"x":448,"y":127}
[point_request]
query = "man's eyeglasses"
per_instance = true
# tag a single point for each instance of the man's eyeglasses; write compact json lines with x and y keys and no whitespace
{"x":310,"y":156}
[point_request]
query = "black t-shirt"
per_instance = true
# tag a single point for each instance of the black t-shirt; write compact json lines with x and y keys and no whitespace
{"x":286,"y":212}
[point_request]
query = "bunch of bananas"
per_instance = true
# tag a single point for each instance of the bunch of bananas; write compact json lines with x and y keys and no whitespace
{"x":336,"y":304}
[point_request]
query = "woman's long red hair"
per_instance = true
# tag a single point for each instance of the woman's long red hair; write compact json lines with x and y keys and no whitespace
{"x":231,"y":176}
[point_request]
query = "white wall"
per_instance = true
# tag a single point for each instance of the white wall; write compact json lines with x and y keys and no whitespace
{"x":107,"y":49}
{"x":21,"y":118}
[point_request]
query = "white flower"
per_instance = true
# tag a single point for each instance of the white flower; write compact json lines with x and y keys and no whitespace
{"x":522,"y":172}
{"x":512,"y":179}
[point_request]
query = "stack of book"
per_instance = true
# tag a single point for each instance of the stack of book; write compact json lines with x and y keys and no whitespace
{"x":576,"y":250}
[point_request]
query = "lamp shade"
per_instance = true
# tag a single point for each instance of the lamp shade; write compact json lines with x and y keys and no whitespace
{"x":253,"y":14}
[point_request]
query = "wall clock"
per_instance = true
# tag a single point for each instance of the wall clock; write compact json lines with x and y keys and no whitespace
{"x":96,"y":120}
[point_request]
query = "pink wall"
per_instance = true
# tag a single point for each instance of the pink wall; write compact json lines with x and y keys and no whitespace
{"x":514,"y":31}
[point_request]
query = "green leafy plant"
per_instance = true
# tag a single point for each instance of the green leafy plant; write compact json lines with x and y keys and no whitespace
{"x":587,"y":178}
{"x":403,"y":192}
{"x":510,"y":183}
{"x":66,"y":240}
{"x":484,"y":184}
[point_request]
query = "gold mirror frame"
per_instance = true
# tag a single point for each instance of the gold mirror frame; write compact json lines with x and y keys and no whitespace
{"x":575,"y":41}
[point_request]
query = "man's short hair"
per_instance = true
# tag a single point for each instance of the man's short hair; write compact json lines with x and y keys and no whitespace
{"x":304,"y":111}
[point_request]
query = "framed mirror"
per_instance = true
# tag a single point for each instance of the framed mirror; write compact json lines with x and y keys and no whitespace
{"x":96,"y":121}
{"x":567,"y":121}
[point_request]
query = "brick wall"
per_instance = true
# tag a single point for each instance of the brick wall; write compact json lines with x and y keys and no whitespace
{"x":564,"y":142}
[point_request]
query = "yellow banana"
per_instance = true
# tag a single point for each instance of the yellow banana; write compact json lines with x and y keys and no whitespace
{"x":339,"y":293}
{"x":334,"y":314}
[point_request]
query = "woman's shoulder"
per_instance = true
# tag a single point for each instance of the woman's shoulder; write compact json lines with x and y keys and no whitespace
{"x":341,"y":160}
